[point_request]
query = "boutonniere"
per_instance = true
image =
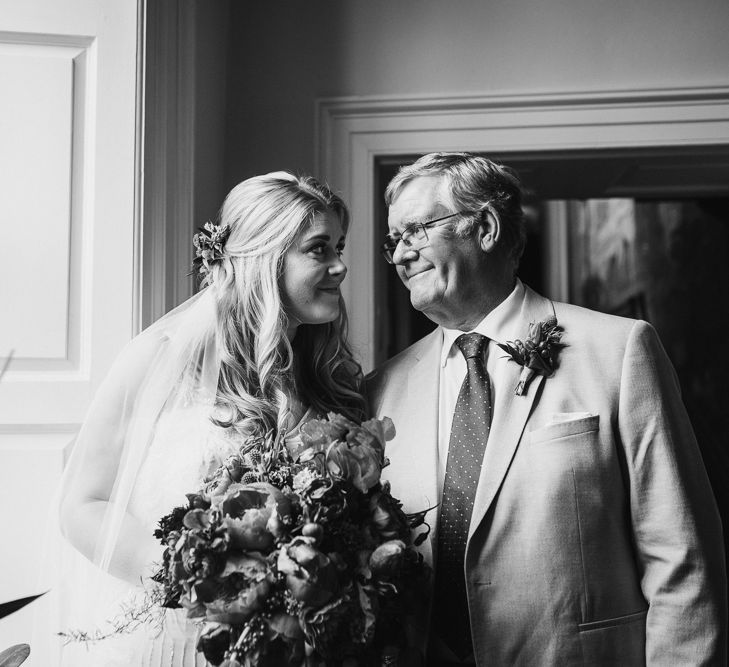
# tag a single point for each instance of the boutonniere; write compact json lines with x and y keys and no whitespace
{"x":537,"y":355}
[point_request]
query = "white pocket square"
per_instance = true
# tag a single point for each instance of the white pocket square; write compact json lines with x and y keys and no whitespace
{"x":563,"y":417}
{"x":564,"y":424}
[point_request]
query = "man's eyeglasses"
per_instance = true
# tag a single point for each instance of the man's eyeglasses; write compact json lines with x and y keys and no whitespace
{"x":414,"y":233}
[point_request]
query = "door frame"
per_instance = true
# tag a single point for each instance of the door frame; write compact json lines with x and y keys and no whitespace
{"x":166,"y":165}
{"x":352,"y":133}
{"x":181,"y":123}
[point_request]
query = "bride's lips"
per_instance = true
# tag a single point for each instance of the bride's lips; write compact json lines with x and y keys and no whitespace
{"x":333,"y":289}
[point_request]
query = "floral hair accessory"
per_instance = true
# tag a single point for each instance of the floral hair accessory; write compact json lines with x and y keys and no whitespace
{"x":537,"y":355}
{"x":209,"y":242}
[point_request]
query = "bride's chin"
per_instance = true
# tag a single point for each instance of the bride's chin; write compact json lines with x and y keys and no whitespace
{"x":329,"y":315}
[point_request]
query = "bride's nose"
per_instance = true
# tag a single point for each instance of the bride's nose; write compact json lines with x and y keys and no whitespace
{"x":338,"y":268}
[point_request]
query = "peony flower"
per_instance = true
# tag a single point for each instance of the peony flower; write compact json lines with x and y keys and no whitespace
{"x":311,"y":576}
{"x":250,"y":532}
{"x":254,"y":515}
{"x":386,"y":560}
{"x":252,"y":566}
{"x":382,"y":429}
{"x":358,"y":461}
{"x":241,"y":497}
{"x":354,"y":453}
{"x":239,"y":609}
{"x":200,"y":551}
{"x":197,"y":519}
{"x":318,"y":434}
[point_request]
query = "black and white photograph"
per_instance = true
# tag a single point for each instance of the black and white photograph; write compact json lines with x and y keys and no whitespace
{"x":364,"y":333}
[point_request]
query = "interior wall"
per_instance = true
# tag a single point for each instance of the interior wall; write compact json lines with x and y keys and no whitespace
{"x":211,"y":20}
{"x":283,"y":56}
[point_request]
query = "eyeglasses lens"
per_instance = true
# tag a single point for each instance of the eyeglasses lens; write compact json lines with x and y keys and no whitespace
{"x":412,"y":237}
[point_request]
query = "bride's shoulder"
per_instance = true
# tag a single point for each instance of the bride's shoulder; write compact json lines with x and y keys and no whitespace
{"x":141,"y":358}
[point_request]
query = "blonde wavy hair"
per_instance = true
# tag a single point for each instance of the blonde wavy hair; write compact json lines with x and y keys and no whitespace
{"x":265,"y":215}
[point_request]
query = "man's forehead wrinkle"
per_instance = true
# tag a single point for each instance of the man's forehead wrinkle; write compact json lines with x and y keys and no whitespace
{"x":409,"y":207}
{"x":420,"y":214}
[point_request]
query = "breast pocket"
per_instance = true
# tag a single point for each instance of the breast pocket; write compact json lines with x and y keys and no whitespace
{"x":570,"y":447}
{"x":565,"y":429}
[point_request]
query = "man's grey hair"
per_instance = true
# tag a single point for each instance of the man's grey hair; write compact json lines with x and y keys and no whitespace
{"x":476,"y":184}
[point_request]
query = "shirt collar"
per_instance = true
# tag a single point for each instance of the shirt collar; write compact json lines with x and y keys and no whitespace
{"x":498,"y":325}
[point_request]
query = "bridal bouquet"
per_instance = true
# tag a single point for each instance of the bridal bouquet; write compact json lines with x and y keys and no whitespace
{"x":286,"y":557}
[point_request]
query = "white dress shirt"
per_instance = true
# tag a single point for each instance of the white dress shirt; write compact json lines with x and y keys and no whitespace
{"x":498,"y":326}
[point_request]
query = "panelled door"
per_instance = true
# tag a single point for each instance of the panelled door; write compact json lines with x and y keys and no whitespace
{"x":68,"y":218}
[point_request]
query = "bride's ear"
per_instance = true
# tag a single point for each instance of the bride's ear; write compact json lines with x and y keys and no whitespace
{"x":489,"y":229}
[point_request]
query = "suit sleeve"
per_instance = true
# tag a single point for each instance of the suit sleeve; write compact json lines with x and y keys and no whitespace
{"x":676,"y":525}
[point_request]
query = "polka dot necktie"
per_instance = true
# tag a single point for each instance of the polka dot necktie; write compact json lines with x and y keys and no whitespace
{"x":469,"y":432}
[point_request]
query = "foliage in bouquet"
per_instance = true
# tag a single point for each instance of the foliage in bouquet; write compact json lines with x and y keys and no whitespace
{"x":277,"y":553}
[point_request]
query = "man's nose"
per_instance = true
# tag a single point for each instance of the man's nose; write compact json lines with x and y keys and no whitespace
{"x":403,"y":253}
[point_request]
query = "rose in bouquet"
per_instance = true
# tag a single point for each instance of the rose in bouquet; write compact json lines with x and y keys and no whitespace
{"x":283,"y":555}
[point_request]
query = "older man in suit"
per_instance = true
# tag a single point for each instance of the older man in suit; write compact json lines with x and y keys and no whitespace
{"x":576,"y":525}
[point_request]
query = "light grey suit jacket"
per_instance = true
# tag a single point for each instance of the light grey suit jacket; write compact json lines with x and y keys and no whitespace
{"x":595,"y":541}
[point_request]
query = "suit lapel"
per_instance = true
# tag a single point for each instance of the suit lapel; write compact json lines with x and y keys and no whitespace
{"x":422,"y":401}
{"x":510,"y":415}
{"x":414,"y":409}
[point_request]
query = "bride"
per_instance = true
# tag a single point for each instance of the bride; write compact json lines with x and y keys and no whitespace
{"x":262,"y":347}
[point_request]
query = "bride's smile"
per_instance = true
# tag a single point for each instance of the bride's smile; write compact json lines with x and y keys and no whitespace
{"x":312,"y":272}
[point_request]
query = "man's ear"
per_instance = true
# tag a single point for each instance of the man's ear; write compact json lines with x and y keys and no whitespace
{"x":489,"y":230}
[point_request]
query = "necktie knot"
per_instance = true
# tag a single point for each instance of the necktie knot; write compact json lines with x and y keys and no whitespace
{"x":471,"y":344}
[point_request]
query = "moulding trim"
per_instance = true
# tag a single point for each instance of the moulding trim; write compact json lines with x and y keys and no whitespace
{"x":352,"y":133}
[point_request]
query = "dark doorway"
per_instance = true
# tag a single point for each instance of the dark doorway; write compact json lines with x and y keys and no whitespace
{"x":691,"y":174}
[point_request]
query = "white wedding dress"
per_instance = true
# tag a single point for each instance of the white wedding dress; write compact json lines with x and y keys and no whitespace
{"x":186,"y":448}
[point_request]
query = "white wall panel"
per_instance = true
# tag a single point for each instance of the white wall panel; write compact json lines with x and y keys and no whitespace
{"x":47,"y":127}
{"x":35,"y":210}
{"x":35,"y":457}
{"x":38,"y":460}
